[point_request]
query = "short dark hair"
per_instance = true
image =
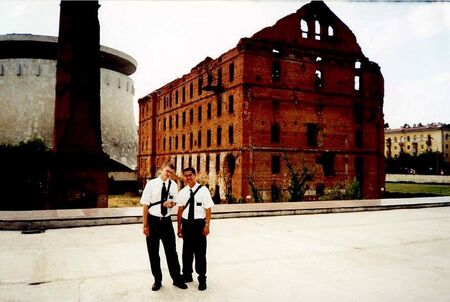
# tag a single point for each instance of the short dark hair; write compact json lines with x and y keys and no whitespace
{"x":168,"y":164}
{"x":189,"y":169}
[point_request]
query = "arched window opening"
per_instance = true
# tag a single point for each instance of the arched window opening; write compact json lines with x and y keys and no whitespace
{"x":317,"y":30}
{"x":330,"y":31}
{"x":304,"y":28}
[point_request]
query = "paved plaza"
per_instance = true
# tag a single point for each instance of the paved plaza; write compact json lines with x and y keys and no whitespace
{"x":396,"y":255}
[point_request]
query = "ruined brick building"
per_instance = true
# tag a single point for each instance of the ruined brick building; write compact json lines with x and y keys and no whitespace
{"x":300,"y":88}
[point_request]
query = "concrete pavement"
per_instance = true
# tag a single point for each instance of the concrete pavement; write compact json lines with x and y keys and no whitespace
{"x":398,"y":255}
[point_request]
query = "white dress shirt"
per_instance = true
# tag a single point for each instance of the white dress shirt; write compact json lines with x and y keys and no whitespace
{"x":152,"y":194}
{"x":202,"y":199}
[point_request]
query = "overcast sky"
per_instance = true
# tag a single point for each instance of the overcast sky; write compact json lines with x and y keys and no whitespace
{"x":409,"y":40}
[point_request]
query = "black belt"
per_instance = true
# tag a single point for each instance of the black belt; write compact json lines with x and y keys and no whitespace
{"x":158,"y":218}
{"x":195,"y":220}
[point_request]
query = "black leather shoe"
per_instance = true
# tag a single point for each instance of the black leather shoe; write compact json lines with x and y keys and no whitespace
{"x":180,"y":284}
{"x":156,"y":286}
{"x":186,"y":278}
{"x":202,"y":286}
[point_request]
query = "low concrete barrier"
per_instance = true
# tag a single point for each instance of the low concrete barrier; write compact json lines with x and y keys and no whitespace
{"x":51,"y":219}
{"x":415,"y":178}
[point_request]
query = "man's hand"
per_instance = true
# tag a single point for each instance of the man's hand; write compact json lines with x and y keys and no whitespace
{"x":206,"y":230}
{"x":146,"y":231}
{"x":169,"y":204}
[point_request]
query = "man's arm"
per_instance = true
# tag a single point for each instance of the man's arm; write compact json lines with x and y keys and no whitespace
{"x":207,"y":220}
{"x":179,"y":229}
{"x":145,"y":220}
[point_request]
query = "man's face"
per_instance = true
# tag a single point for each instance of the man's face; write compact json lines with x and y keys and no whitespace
{"x":166,"y":173}
{"x":189,"y":177}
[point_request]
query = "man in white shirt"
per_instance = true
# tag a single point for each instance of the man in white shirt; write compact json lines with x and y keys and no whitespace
{"x":194,"y":216}
{"x":157,"y":200}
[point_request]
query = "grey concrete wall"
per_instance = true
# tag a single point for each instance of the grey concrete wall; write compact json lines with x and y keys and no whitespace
{"x":27,"y":95}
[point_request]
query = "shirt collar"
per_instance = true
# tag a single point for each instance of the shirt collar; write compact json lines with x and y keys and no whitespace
{"x":162,"y":181}
{"x":194,"y":187}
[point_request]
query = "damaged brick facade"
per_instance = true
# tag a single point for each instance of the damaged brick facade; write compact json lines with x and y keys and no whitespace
{"x":302,"y":88}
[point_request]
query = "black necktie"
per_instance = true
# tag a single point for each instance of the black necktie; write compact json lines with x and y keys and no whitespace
{"x":191,"y":206}
{"x":163,"y":198}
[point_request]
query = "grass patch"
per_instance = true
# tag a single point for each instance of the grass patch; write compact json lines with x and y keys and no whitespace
{"x":123,"y":201}
{"x":395,"y":189}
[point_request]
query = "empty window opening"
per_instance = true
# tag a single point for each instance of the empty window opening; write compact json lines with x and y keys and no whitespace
{"x":176,"y":96}
{"x":319,"y":80}
{"x":219,"y":77}
{"x":183,"y":141}
{"x":231,"y":72}
{"x":327,"y":162}
{"x":358,"y":114}
{"x":183,"y":94}
{"x":176,"y":121}
{"x":359,"y":138}
{"x":176,"y":142}
{"x":199,"y":114}
{"x":208,"y":138}
{"x":164,"y":143}
{"x":330,"y":31}
{"x":210,"y":79}
{"x":191,"y":140}
{"x":275,"y":193}
{"x":219,"y":107}
{"x":207,"y":163}
{"x":275,"y":133}
{"x":183,"y":119}
{"x":311,"y":134}
{"x":164,"y":124}
{"x":357,"y":83}
{"x":230,"y":135}
{"x":276,"y":164}
{"x":191,"y":90}
{"x":199,"y":139}
{"x":198,"y":163}
{"x":219,"y":136}
{"x":200,"y":85}
{"x":276,"y":71}
{"x":230,"y":104}
{"x":304,"y":28}
{"x":217,"y":163}
{"x":170,"y":122}
{"x":170,"y":143}
{"x":208,"y":111}
{"x":191,"y":116}
{"x":317,"y":30}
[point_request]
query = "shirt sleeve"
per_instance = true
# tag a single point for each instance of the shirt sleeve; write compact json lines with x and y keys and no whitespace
{"x":207,"y":200}
{"x":180,"y":200}
{"x":147,"y":194}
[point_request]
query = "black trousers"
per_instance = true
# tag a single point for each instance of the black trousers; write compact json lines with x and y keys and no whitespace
{"x":194,"y":244}
{"x":162,"y":229}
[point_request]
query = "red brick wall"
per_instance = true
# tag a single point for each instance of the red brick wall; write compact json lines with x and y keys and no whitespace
{"x":292,"y":102}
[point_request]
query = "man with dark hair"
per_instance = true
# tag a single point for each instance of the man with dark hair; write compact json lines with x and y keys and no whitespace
{"x":194,"y":216}
{"x":157,"y":199}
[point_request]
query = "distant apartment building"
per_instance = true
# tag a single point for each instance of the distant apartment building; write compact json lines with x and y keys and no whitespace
{"x":301,"y":88}
{"x":418,"y":139}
